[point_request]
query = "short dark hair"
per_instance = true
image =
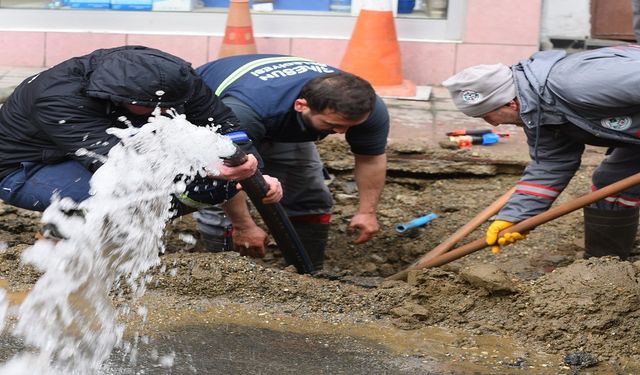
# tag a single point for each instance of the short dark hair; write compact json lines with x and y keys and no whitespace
{"x":344,"y":93}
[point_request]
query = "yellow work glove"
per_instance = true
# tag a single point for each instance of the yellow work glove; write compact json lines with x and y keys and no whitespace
{"x":492,"y":235}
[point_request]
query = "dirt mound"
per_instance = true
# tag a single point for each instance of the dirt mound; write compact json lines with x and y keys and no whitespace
{"x":590,"y":305}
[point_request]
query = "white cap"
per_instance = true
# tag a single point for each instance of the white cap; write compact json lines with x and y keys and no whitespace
{"x":481,"y":88}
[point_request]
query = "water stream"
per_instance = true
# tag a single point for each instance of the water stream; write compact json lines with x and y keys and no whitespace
{"x":68,"y":321}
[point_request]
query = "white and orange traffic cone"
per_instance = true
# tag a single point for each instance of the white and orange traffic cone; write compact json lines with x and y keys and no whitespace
{"x":373,"y":52}
{"x":238,"y":35}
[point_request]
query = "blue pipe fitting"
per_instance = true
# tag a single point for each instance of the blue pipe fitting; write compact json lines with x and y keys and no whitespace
{"x":417,"y":222}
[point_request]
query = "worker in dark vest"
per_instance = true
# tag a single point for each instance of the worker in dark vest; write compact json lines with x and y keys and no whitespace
{"x":285,"y":104}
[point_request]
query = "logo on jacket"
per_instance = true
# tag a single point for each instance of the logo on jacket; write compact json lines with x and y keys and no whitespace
{"x":617,"y":123}
{"x":470,"y":97}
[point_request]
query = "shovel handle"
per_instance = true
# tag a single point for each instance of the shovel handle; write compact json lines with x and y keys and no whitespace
{"x":534,"y":221}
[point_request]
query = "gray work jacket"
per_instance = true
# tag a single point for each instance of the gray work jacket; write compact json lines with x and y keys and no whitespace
{"x":567,"y":101}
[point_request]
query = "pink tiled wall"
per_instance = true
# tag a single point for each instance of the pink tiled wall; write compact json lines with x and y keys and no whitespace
{"x":77,"y":44}
{"x":503,"y":22}
{"x":325,"y":50}
{"x":473,"y":54}
{"x":428,"y":63}
{"x":273,"y":45}
{"x":488,"y":38}
{"x":194,"y":49}
{"x":22,"y":48}
{"x":496,"y":31}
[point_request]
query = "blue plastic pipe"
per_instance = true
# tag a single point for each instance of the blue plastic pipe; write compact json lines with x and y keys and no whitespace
{"x":417,"y":222}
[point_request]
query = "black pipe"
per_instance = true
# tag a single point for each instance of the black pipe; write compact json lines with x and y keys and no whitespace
{"x":274,"y":217}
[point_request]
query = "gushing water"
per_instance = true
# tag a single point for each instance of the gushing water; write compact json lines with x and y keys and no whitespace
{"x":112,"y":237}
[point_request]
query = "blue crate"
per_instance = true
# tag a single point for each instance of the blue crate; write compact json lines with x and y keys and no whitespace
{"x":340,"y":5}
{"x":131,"y":4}
{"x":216,"y":3}
{"x":130,"y":7}
{"x":89,"y":4}
{"x":320,"y":5}
{"x":406,"y":6}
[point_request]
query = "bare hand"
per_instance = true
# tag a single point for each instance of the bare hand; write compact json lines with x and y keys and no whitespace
{"x":275,"y":190}
{"x":250,"y":241}
{"x":240,"y":172}
{"x":366,"y":225}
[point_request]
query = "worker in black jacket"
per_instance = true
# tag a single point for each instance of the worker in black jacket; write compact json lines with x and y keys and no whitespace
{"x":52,"y":115}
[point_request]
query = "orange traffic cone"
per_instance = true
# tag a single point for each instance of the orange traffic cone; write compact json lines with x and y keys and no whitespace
{"x":373,"y":52}
{"x":238,"y":35}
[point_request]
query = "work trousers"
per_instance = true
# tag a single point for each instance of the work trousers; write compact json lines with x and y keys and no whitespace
{"x":299,"y":169}
{"x":33,"y":185}
{"x":619,"y":164}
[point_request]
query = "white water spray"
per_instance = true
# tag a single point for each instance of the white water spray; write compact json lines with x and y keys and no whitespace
{"x":113,"y":236}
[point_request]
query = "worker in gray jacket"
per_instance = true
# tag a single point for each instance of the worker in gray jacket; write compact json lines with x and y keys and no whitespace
{"x":565,"y":102}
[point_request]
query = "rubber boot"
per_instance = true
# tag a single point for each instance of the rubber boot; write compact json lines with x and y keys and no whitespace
{"x":215,"y":229}
{"x":314,"y":237}
{"x":217,"y":243}
{"x":50,"y":231}
{"x":609,"y":232}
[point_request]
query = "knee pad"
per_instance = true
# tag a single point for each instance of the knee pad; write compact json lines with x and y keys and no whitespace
{"x":312,"y":218}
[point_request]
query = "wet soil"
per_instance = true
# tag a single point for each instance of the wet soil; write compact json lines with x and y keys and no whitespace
{"x":521,"y":311}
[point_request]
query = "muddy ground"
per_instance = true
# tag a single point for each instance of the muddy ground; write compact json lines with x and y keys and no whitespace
{"x":537,"y":295}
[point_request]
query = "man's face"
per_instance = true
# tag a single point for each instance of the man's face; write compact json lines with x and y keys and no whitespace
{"x":327,"y":121}
{"x":507,"y":114}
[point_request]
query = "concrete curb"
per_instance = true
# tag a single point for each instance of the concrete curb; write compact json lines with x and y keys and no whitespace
{"x":5,"y":92}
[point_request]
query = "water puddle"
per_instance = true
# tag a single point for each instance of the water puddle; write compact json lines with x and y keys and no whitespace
{"x":205,"y":336}
{"x":234,"y":349}
{"x":200,"y":336}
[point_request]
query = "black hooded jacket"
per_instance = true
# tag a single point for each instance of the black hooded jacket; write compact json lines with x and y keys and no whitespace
{"x":68,"y":107}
